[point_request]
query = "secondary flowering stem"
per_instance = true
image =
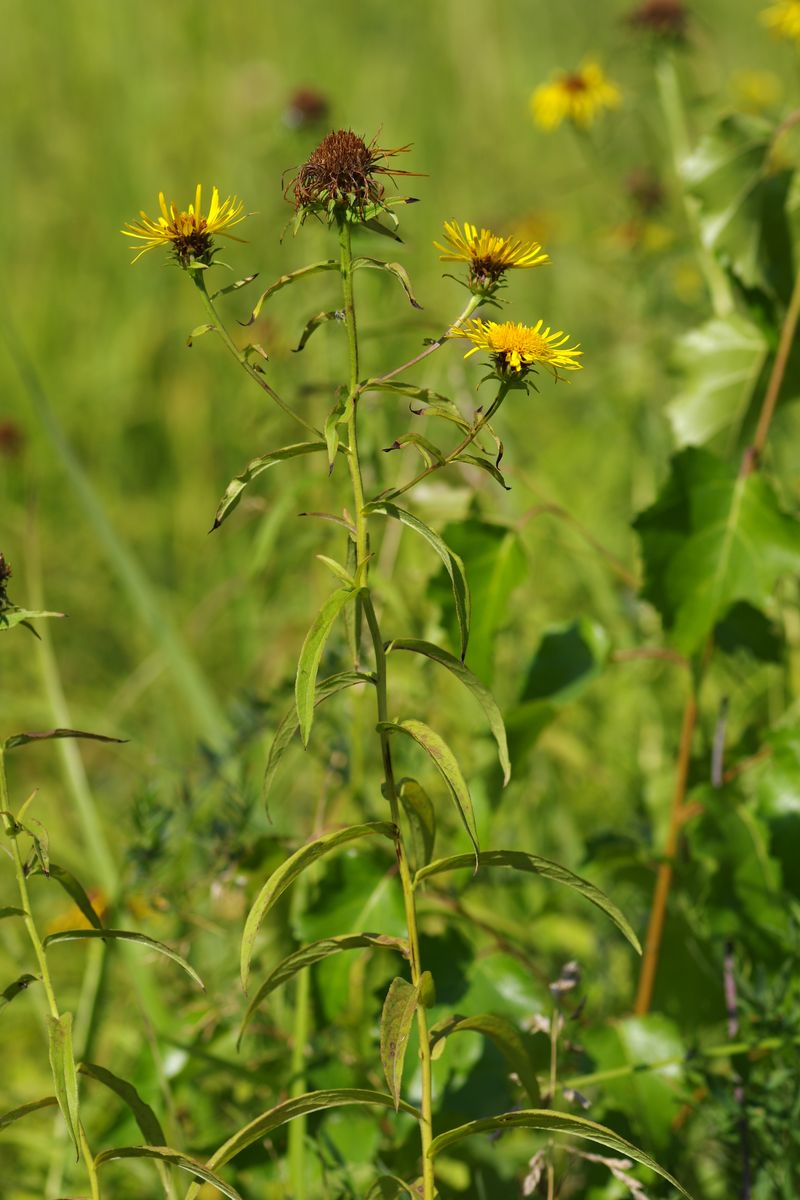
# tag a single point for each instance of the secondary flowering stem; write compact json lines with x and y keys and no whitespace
{"x":469,"y":309}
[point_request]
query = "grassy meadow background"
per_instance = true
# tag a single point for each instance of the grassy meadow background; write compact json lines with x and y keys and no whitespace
{"x":119,"y":440}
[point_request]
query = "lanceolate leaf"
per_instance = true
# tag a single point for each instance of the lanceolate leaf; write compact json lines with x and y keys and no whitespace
{"x":330,"y":264}
{"x":310,"y":655}
{"x":74,"y":890}
{"x":65,"y":1081}
{"x":711,"y":538}
{"x":447,"y":766}
{"x":167,"y":1156}
{"x":233,"y":492}
{"x":479,"y":691}
{"x":11,"y":616}
{"x":123,"y":935}
{"x":144,"y":1116}
{"x":14,"y":989}
{"x":421,"y":817}
{"x":485,"y":464}
{"x":393,"y":268}
{"x":24,"y":739}
{"x":551,"y":1122}
{"x":452,"y":563}
{"x":288,"y":871}
{"x":298,"y":1106}
{"x":518,"y":860}
{"x":306,"y":956}
{"x":10,"y":911}
{"x":505,"y":1036}
{"x":290,"y":723}
{"x":314,"y":324}
{"x":15,"y":1114}
{"x":399,"y":1008}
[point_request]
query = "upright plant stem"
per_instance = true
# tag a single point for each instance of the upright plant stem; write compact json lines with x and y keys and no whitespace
{"x":390,"y":786}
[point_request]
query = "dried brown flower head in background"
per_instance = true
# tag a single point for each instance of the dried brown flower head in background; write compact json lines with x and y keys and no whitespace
{"x":663,"y":18}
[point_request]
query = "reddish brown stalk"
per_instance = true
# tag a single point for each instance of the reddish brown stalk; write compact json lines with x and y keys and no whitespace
{"x":660,"y":653}
{"x":752,"y":456}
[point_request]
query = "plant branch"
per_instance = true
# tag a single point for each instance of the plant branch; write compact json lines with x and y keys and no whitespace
{"x":752,"y":457}
{"x":467,"y":311}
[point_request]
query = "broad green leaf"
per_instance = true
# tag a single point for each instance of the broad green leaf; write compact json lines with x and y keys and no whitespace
{"x":289,"y":1110}
{"x":742,"y":199}
{"x":452,"y":563}
{"x":397,"y":1018}
{"x":718,"y":366}
{"x":519,"y":860}
{"x":446,"y":764}
{"x":74,"y":890}
{"x":547,"y":1121}
{"x":143,"y":1114}
{"x":569,"y":656}
{"x":14,"y":989}
{"x":290,"y":723}
{"x":421,"y":816}
{"x":233,"y":492}
{"x":15,"y":1114}
{"x":310,"y":656}
{"x":10,"y":911}
{"x":746,"y":630}
{"x":478,"y":689}
{"x":306,"y":956}
{"x":24,"y":739}
{"x":314,"y":324}
{"x":173,"y":1158}
{"x":65,"y":1080}
{"x":122,"y":935}
{"x":506,"y":1037}
{"x":712,"y":537}
{"x":10,"y":616}
{"x":330,"y":264}
{"x":392,"y":268}
{"x":288,"y":871}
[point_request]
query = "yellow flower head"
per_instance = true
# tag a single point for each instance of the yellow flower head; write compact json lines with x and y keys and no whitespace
{"x":489,"y":256}
{"x":189,"y":234}
{"x":578,"y":96}
{"x":517,"y":348}
{"x":783,"y":19}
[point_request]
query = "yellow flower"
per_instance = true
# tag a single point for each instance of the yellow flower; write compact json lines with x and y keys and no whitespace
{"x":517,"y":348}
{"x":489,"y":255}
{"x":578,"y":96}
{"x":756,"y":91}
{"x":783,"y":19}
{"x":189,"y":233}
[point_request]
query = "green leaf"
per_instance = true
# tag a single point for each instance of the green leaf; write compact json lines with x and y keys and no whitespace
{"x":306,"y":956}
{"x":487,"y":465}
{"x":519,"y":860}
{"x":10,"y":911}
{"x":330,"y":264}
{"x":445,"y":762}
{"x":234,"y":287}
{"x":310,"y":656}
{"x":421,"y":816}
{"x":233,"y":492}
{"x":712,"y":537}
{"x":65,"y":1080}
{"x":198,"y":331}
{"x":415,"y":393}
{"x":123,"y":935}
{"x":16,"y":988}
{"x":397,"y":1017}
{"x":551,"y":1122}
{"x":389,"y":1187}
{"x":314,"y":323}
{"x":289,"y":870}
{"x":11,"y":616}
{"x":429,"y":453}
{"x":746,"y":630}
{"x":452,"y":563}
{"x":393,"y":268}
{"x":144,"y":1116}
{"x":24,"y":739}
{"x":167,"y":1156}
{"x":506,"y":1037}
{"x":74,"y":890}
{"x":478,"y":689}
{"x":718,"y":367}
{"x":15,"y":1114}
{"x":290,"y":723}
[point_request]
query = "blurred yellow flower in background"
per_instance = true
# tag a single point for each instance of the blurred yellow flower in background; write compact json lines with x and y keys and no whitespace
{"x":578,"y":96}
{"x":188,"y":233}
{"x":756,"y":91}
{"x":783,"y":19}
{"x":516,"y":348}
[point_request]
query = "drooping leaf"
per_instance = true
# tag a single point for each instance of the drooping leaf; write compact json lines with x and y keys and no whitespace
{"x":478,"y":689}
{"x":421,"y":816}
{"x":453,"y":565}
{"x":712,"y":537}
{"x":484,"y":464}
{"x":46,"y":735}
{"x":65,"y":1080}
{"x":15,"y":1114}
{"x":557,"y":1123}
{"x":397,"y":1018}
{"x":11,"y":616}
{"x":429,"y":453}
{"x":290,"y":724}
{"x":143,"y":1114}
{"x":233,"y":492}
{"x":446,"y":764}
{"x":331,"y":264}
{"x":519,"y":860}
{"x":74,"y":890}
{"x":506,"y":1037}
{"x":314,"y":324}
{"x":306,"y":956}
{"x":411,"y":391}
{"x":310,"y":656}
{"x":14,"y":989}
{"x":718,"y":366}
{"x":123,"y":935}
{"x":234,"y":287}
{"x":170,"y":1157}
{"x":289,"y":870}
{"x":10,"y":911}
{"x":393,"y":268}
{"x":199,"y":331}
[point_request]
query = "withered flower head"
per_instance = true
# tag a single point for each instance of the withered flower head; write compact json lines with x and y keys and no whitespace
{"x":11,"y":439}
{"x":668,"y":19}
{"x":342,"y":176}
{"x":645,"y":190}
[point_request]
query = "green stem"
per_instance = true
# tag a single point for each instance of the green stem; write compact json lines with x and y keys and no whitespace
{"x":300,"y":1027}
{"x":241,"y":357}
{"x":390,"y":786}
{"x":473,"y":303}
